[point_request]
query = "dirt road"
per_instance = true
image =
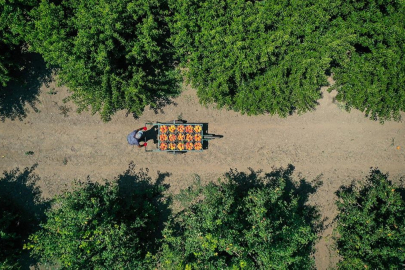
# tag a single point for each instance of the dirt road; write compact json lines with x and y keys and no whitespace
{"x":329,"y":141}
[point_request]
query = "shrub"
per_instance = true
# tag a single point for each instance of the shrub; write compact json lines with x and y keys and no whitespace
{"x":112,"y":55}
{"x":370,"y":72}
{"x":10,"y":235}
{"x":96,"y":227}
{"x":371,"y":224}
{"x":254,"y":56}
{"x":14,"y":20}
{"x":244,"y":221}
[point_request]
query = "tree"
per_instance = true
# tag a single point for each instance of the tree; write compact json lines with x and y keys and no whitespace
{"x":13,"y":26}
{"x":371,"y":224}
{"x":245,"y":221}
{"x":370,"y":72}
{"x":113,"y":55}
{"x":95,"y":226}
{"x":10,"y":236}
{"x":254,"y":56}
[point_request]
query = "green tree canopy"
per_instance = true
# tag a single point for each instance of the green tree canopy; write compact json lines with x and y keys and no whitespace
{"x":13,"y":26}
{"x":98,"y":226}
{"x":370,"y":73}
{"x":112,"y":54}
{"x":272,"y":56}
{"x":371,"y":224}
{"x":254,"y":56}
{"x":245,"y":221}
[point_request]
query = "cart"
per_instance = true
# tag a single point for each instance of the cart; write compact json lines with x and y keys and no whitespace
{"x":179,"y":137}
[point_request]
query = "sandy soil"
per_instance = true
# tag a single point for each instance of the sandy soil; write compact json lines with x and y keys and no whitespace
{"x":329,"y":141}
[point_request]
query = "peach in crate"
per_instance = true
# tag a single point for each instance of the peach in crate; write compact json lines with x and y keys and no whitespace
{"x":172,"y":137}
{"x":197,"y":146}
{"x":163,"y":137}
{"x":172,"y":146}
{"x":163,"y":146}
{"x":163,"y":129}
{"x":197,"y":137}
{"x":189,"y":146}
{"x":189,"y":129}
{"x":197,"y":129}
{"x":172,"y":128}
{"x":189,"y":137}
{"x":180,"y":146}
{"x":180,"y":137}
{"x":180,"y":128}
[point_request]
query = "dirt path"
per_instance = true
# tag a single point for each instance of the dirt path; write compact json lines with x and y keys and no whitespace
{"x":342,"y":146}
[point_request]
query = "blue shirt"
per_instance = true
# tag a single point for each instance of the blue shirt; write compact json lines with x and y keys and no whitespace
{"x":131,"y":138}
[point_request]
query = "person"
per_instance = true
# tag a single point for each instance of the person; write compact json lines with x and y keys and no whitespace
{"x":134,"y":138}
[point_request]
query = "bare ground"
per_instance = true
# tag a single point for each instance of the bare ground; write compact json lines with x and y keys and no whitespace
{"x":330,"y":142}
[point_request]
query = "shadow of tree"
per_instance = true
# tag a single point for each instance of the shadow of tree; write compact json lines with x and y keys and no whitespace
{"x":160,"y":104}
{"x":18,"y":192}
{"x":163,"y":102}
{"x":137,"y":187}
{"x":18,"y":93}
{"x":19,"y":187}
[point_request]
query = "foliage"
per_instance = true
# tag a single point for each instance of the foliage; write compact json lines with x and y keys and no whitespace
{"x":244,"y":221}
{"x":10,"y":237}
{"x":13,"y":27}
{"x":5,"y":64}
{"x":250,"y":56}
{"x":95,"y":227}
{"x":272,"y":56}
{"x":371,"y":224}
{"x":254,"y":56}
{"x":370,"y":72}
{"x":112,"y":54}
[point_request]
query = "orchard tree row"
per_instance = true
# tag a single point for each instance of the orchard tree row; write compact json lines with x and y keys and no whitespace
{"x":242,"y":221}
{"x":250,"y":56}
